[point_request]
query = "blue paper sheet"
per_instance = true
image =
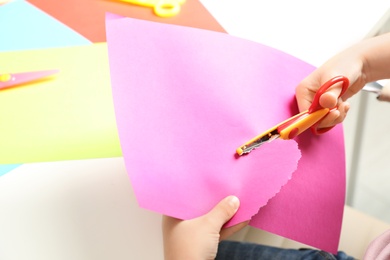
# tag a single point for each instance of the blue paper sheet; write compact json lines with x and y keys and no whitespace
{"x":6,"y":168}
{"x":24,"y":26}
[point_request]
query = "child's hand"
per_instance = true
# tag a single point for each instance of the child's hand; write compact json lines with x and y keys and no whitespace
{"x":198,"y":238}
{"x":363,"y":62}
{"x":346,"y":64}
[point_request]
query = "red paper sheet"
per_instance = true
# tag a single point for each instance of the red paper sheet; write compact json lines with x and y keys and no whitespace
{"x":87,"y":17}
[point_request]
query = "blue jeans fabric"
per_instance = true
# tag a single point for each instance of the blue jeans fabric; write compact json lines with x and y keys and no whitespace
{"x":231,"y":250}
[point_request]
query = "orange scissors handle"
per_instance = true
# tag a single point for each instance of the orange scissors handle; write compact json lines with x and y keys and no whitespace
{"x":313,"y":116}
{"x":301,"y":122}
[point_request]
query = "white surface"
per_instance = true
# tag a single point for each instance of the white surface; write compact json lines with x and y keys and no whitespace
{"x":86,"y":209}
{"x":310,"y":30}
{"x":75,"y":210}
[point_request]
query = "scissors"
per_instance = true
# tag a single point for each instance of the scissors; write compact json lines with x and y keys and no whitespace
{"x":382,"y":91}
{"x":297,"y":124}
{"x":162,"y":8}
{"x":8,"y":80}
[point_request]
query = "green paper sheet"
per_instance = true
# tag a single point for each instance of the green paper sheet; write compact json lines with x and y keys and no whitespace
{"x":68,"y":116}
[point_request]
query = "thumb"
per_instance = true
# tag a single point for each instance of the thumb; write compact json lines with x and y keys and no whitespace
{"x":223,"y":211}
{"x":330,"y":98}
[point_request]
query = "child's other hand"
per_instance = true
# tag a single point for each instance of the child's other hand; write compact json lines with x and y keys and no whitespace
{"x":198,"y":238}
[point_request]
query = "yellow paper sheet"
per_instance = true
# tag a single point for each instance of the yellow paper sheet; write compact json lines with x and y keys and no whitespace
{"x":64,"y":117}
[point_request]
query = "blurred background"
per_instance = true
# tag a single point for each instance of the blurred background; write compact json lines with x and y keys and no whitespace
{"x":367,"y":137}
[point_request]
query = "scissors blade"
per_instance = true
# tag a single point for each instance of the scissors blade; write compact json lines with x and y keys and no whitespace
{"x":13,"y":79}
{"x":258,"y":141}
{"x":373,"y":87}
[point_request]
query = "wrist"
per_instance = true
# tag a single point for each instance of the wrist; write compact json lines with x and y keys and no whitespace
{"x":375,"y":54}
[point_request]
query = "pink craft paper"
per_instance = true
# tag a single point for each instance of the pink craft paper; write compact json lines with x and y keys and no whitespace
{"x":186,"y":98}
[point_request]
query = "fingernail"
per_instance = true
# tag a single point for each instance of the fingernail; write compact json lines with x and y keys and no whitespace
{"x":234,"y":202}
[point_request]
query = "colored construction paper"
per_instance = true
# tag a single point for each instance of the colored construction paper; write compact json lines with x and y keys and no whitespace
{"x":7,"y":168}
{"x":191,"y":134}
{"x":67,"y":116}
{"x":23,"y":26}
{"x":186,"y":98}
{"x":87,"y":17}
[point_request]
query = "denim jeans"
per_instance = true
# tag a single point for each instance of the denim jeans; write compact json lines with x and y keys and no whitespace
{"x":231,"y":250}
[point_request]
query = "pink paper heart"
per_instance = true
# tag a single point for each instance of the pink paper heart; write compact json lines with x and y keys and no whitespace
{"x":180,"y":122}
{"x":190,"y":181}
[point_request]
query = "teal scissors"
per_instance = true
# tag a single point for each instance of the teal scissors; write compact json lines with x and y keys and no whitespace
{"x":8,"y":80}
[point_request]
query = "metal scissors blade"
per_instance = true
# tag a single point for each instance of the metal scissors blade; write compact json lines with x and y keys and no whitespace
{"x":8,"y":80}
{"x":382,"y":91}
{"x":297,"y":124}
{"x":259,"y":140}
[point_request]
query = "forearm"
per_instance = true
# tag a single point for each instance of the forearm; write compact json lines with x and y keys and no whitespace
{"x":364,"y":62}
{"x":376,"y":57}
